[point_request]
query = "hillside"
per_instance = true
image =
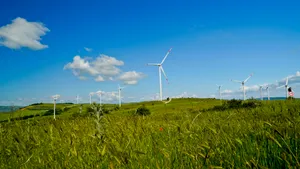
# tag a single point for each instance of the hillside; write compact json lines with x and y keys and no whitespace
{"x":186,"y":133}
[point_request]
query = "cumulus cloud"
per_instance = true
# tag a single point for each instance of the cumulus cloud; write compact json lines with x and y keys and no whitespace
{"x":99,"y":79}
{"x":21,"y":33}
{"x":82,"y":77}
{"x":102,"y":68}
{"x":131,"y":77}
{"x":88,"y":49}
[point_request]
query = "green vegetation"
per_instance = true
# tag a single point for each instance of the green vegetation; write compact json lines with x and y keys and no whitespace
{"x":185,"y":133}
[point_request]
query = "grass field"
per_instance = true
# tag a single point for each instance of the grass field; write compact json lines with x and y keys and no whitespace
{"x":186,"y":133}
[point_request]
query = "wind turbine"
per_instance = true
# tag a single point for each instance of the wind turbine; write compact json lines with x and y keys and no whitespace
{"x":260,"y":89}
{"x":160,"y":69}
{"x":55,"y":97}
{"x":243,"y":84}
{"x":119,"y":89}
{"x":286,"y":86}
{"x":268,"y":90}
{"x":99,"y":93}
{"x":219,"y":86}
{"x":91,"y":94}
{"x":77,"y":98}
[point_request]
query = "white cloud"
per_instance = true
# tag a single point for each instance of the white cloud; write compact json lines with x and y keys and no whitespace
{"x":88,"y":49}
{"x":131,"y":77}
{"x":101,"y":68}
{"x":184,"y":95}
{"x":99,"y":79}
{"x":106,"y":65}
{"x":80,"y":66}
{"x":21,"y":33}
{"x":82,"y":77}
{"x":227,"y":92}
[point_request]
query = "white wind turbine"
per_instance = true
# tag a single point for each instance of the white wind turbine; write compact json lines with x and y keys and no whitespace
{"x":99,"y":93}
{"x":243,"y":84}
{"x":55,"y":97}
{"x":268,"y":90}
{"x":286,"y":87}
{"x":77,"y":98}
{"x":119,"y":89}
{"x":220,"y":95}
{"x":91,"y":94}
{"x":261,"y":95}
{"x":160,"y":69}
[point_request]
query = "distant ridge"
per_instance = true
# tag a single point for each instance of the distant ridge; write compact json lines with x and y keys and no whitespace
{"x":9,"y":108}
{"x":274,"y":98}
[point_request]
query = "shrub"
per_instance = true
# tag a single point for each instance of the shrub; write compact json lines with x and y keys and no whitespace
{"x":143,"y":110}
{"x":51,"y":112}
{"x":234,"y":103}
{"x":251,"y":104}
{"x":35,"y":104}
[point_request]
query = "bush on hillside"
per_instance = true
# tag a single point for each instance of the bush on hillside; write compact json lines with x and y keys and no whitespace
{"x":34,"y":104}
{"x":235,"y":104}
{"x":143,"y":110}
{"x":66,"y":108}
{"x":117,"y":108}
{"x":51,"y":112}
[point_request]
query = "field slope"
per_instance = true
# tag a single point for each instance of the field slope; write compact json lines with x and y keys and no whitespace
{"x":186,"y":133}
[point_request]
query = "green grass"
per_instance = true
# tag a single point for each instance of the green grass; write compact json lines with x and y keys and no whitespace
{"x":177,"y":135}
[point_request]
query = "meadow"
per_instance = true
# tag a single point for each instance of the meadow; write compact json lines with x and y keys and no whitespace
{"x":185,"y":133}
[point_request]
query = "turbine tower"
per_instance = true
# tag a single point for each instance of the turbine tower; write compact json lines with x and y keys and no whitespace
{"x":260,"y":89}
{"x":243,"y":84}
{"x":220,"y":95}
{"x":55,"y":97}
{"x":119,"y":89}
{"x":99,"y":93}
{"x":286,"y":87}
{"x":91,"y":94}
{"x":77,"y":98}
{"x":268,"y":90}
{"x":160,"y":69}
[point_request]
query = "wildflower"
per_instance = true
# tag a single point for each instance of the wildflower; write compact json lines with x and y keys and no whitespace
{"x":161,"y":129}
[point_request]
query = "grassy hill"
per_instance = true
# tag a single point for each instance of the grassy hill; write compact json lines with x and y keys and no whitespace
{"x":185,"y":133}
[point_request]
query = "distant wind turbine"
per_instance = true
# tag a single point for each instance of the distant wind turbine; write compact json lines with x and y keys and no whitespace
{"x":91,"y":94}
{"x":99,"y":93}
{"x":77,"y":98}
{"x":220,"y":95}
{"x":243,"y":84}
{"x":119,"y":89}
{"x":55,"y":97}
{"x":160,"y":69}
{"x":260,"y":89}
{"x":268,"y":90}
{"x":286,"y":87}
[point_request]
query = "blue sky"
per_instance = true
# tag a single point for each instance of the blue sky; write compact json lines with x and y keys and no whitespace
{"x":212,"y":43}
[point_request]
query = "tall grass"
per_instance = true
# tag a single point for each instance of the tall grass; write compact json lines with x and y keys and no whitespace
{"x":263,"y":137}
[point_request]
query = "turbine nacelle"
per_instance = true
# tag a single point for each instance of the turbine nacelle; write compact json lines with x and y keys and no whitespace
{"x":243,"y":83}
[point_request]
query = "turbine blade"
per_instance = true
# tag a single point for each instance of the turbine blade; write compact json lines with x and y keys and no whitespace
{"x":237,"y":81}
{"x":287,"y":81}
{"x":280,"y":86}
{"x":248,"y":78}
{"x":153,"y":64}
{"x":166,"y":56}
{"x":164,"y":73}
